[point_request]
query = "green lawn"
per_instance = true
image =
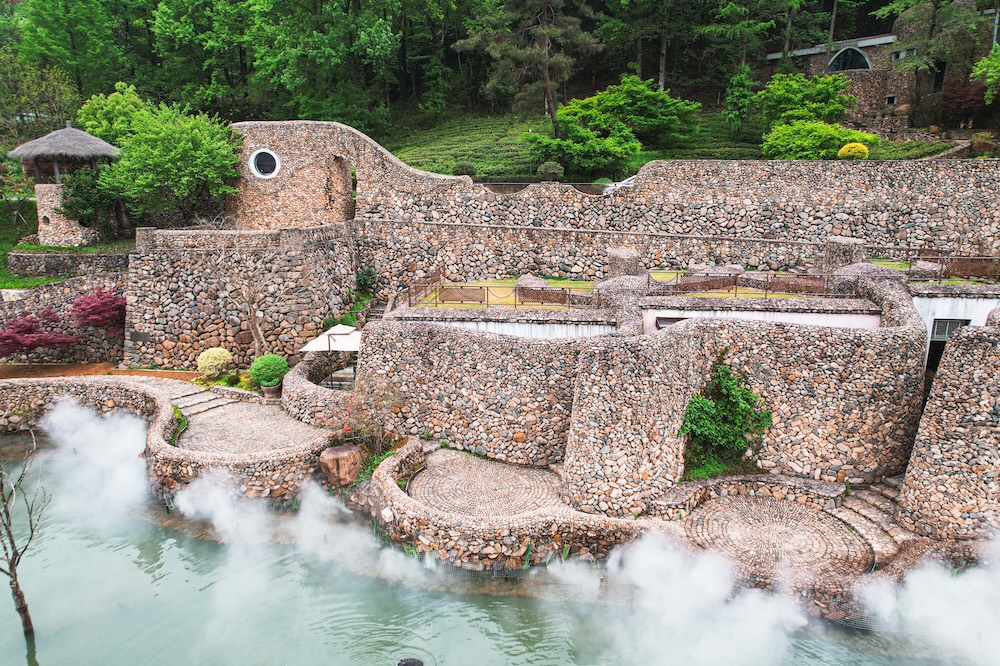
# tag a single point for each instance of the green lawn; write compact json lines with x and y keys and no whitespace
{"x":12,"y":230}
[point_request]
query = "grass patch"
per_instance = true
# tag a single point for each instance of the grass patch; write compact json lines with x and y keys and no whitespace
{"x":891,"y":263}
{"x":180,"y":425}
{"x":113,"y":247}
{"x":492,"y":143}
{"x":371,"y":462}
{"x":12,"y":229}
{"x":715,"y":468}
{"x":907,"y":150}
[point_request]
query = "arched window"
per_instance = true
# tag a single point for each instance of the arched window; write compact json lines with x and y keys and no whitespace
{"x":849,"y":58}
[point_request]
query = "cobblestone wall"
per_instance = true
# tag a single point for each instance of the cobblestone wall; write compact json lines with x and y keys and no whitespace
{"x":302,"y":397}
{"x":845,"y":401}
{"x":504,"y":397}
{"x":65,"y":265}
{"x":952,"y":484}
{"x":95,"y":346}
{"x":266,"y":474}
{"x":54,"y":228}
{"x":189,"y":290}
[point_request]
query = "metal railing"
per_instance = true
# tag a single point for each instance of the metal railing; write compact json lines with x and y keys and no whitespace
{"x":824,"y":286}
{"x":939,"y":266}
{"x":438,"y":295}
{"x":418,"y":291}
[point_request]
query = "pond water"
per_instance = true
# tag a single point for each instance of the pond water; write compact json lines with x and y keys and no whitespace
{"x":115,"y":578}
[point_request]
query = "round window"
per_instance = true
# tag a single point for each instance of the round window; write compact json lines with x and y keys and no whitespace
{"x":265,"y":164}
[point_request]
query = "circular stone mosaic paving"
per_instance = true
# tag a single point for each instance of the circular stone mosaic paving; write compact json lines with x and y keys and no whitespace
{"x":763,"y":534}
{"x":463,"y":484}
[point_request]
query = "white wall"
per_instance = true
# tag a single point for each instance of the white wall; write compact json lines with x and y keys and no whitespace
{"x":974,"y":309}
{"x":828,"y":319}
{"x":536,"y":331}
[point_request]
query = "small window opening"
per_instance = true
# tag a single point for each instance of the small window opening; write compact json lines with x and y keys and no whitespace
{"x":265,"y":164}
{"x":890,"y":100}
{"x":941,"y":330}
{"x":939,"y":71}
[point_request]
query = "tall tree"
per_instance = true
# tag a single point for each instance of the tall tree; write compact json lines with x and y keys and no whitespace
{"x":533,"y":43}
{"x":745,"y":23}
{"x":73,"y":35}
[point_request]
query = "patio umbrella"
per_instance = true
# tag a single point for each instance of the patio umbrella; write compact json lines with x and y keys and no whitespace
{"x":340,"y":338}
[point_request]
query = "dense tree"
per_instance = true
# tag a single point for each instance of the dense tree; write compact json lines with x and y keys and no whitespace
{"x":533,"y":45}
{"x":791,"y":97}
{"x":74,"y":35}
{"x":32,"y":101}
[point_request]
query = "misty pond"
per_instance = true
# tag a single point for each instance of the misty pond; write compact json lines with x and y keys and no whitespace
{"x":114,"y":578}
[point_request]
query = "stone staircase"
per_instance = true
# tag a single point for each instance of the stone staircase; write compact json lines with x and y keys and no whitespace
{"x":870,"y":511}
{"x":199,"y":402}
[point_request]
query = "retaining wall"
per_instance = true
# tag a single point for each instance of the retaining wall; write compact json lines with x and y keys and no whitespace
{"x":952,"y":484}
{"x":65,"y":264}
{"x":95,"y":346}
{"x":305,"y":400}
{"x":188,"y":291}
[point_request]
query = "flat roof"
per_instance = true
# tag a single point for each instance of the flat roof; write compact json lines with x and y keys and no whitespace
{"x":833,"y":48}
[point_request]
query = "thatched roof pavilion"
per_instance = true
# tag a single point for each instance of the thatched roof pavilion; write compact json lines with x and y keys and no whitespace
{"x":69,"y":145}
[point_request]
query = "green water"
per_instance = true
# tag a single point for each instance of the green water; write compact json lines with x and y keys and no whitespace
{"x":126,"y":583}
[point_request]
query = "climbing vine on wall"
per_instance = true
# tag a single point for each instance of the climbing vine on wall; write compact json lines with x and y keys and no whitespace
{"x":724,"y":425}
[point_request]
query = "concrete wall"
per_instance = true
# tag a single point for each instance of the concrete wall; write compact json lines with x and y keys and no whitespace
{"x":976,"y":310}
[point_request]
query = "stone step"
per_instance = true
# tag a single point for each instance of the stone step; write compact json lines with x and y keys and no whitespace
{"x":876,"y":499}
{"x":883,"y":545}
{"x":178,"y":394}
{"x":193,"y":399}
{"x":893,"y":481}
{"x":206,"y":406}
{"x":886,"y":491}
{"x":869,"y":511}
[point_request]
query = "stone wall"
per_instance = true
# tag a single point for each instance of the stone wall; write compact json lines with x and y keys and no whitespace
{"x":188,"y":291}
{"x":313,"y":184}
{"x":305,"y":400}
{"x":95,"y":346}
{"x":265,"y":474}
{"x":54,"y":228}
{"x":404,"y":252}
{"x":504,"y":397}
{"x":68,"y":264}
{"x":952,"y":484}
{"x":845,"y":401}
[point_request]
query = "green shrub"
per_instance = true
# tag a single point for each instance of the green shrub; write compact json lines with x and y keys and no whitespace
{"x":811,"y":140}
{"x":853,"y":151}
{"x":551,"y":171}
{"x":330,"y":322}
{"x":789,"y":98}
{"x":723,"y":424}
{"x":464,"y":169}
{"x":268,"y":369}
{"x":213,"y":362}
{"x":366,"y":280}
{"x":348,"y":319}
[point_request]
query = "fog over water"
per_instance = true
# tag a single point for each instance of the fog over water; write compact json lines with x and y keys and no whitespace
{"x":108,"y":584}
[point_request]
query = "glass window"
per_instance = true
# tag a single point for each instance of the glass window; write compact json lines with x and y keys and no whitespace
{"x":265,"y":164}
{"x":849,"y":59}
{"x":943,"y":328}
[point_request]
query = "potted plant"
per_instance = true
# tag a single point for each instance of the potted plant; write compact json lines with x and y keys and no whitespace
{"x":268,"y":370}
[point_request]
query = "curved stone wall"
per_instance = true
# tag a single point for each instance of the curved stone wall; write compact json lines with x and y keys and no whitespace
{"x":264,"y":474}
{"x":952,"y":484}
{"x":305,"y":400}
{"x":65,"y":264}
{"x":845,"y":401}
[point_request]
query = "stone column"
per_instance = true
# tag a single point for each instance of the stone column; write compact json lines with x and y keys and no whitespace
{"x":841,"y":251}
{"x":54,"y":228}
{"x":623,"y":261}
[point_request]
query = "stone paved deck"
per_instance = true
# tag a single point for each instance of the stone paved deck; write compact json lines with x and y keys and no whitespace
{"x":767,"y":536}
{"x":466,"y":485}
{"x":222,"y":425}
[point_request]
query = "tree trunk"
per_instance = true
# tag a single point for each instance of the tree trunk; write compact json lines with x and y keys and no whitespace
{"x":661,"y":82}
{"x":21,"y":605}
{"x":833,"y":24}
{"x":638,"y":53}
{"x":550,"y":102}
{"x":787,"y":47}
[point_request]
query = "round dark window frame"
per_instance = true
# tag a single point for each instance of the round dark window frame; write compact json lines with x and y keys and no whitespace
{"x":253,"y":164}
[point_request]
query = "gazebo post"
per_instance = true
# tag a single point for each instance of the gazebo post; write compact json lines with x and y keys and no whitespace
{"x":38,"y":171}
{"x":55,"y":164}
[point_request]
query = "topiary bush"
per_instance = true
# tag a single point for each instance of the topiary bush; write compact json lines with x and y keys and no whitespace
{"x":268,"y":370}
{"x":366,"y":280}
{"x":853,"y":151}
{"x":812,"y":140}
{"x":551,"y":171}
{"x":724,"y":425}
{"x":464,"y":169}
{"x":215,"y":361}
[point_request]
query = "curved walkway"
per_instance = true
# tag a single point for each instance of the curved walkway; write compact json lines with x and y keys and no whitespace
{"x":219,"y":424}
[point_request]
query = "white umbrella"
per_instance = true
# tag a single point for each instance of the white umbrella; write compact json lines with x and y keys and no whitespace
{"x":338,"y":338}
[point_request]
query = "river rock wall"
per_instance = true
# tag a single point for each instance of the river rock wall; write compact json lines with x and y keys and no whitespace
{"x":952,"y":484}
{"x":189,"y":291}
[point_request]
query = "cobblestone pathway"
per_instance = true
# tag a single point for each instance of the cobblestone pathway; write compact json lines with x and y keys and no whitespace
{"x":464,"y":484}
{"x":223,"y":425}
{"x":765,"y":536}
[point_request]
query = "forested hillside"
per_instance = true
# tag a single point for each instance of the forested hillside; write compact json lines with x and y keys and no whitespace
{"x":376,"y":63}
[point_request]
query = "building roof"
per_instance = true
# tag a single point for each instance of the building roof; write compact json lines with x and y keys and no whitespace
{"x":68,"y":144}
{"x":860,"y":43}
